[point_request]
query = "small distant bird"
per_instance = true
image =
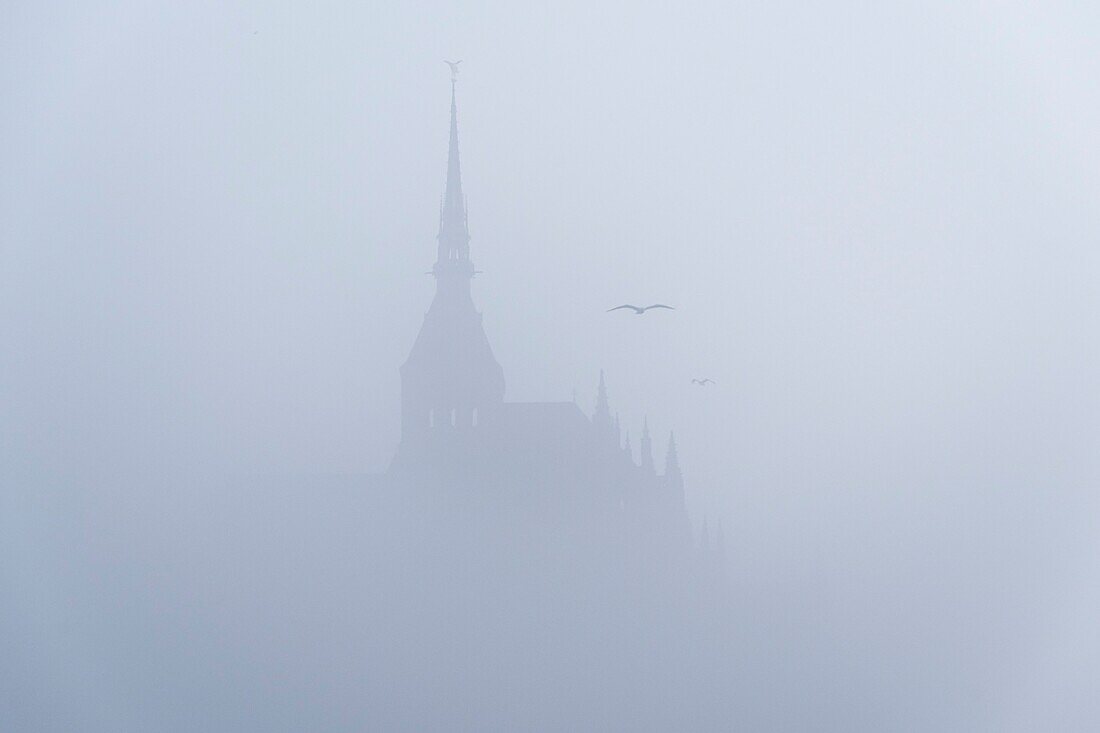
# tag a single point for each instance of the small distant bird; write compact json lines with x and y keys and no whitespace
{"x":639,"y":311}
{"x":703,"y":382}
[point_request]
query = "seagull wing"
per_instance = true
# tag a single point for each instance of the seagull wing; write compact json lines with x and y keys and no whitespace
{"x":659,"y":305}
{"x":620,"y":307}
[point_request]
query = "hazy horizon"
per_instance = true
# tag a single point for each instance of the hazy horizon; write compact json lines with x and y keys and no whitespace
{"x":877,"y":224}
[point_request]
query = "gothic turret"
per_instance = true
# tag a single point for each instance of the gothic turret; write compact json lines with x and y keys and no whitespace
{"x":606,"y":429}
{"x":673,"y":487}
{"x":646,"y":448}
{"x":674,"y":480}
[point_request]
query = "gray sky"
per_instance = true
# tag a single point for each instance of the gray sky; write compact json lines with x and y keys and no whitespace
{"x":878,"y":223}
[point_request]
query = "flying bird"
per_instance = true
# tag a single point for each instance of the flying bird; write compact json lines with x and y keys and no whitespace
{"x":703,"y":382}
{"x":639,"y":311}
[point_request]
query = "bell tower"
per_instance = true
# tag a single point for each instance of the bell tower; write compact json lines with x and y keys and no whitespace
{"x":451,"y":380}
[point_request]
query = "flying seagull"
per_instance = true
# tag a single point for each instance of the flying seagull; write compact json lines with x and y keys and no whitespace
{"x":639,"y":311}
{"x":703,"y":382}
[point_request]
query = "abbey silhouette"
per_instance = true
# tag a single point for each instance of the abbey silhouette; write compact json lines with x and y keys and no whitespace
{"x":458,"y":433}
{"x":517,"y":567}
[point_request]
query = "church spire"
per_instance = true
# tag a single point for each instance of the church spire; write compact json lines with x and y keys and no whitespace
{"x":451,"y":377}
{"x":454,"y":237}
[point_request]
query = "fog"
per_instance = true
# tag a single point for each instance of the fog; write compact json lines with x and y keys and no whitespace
{"x":878,"y":226}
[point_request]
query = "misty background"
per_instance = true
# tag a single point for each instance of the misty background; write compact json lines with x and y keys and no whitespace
{"x":878,"y":225}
